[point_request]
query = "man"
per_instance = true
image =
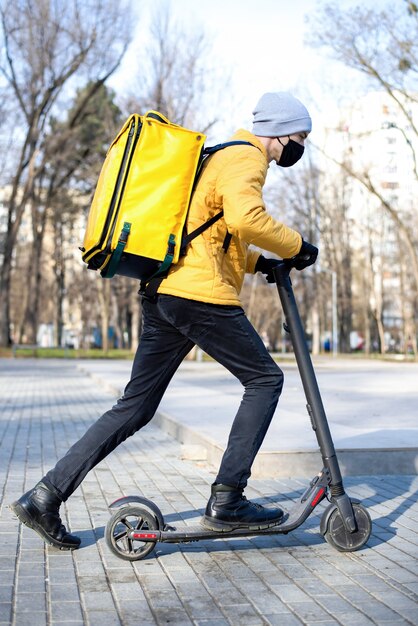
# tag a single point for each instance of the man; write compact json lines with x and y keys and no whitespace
{"x":198,"y":303}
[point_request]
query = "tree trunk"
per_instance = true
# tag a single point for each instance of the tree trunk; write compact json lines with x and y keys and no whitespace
{"x":381,"y":332}
{"x":253,"y":293}
{"x":21,"y":319}
{"x":59,"y":308}
{"x":367,"y":338}
{"x":5,"y":281}
{"x":104,"y":298}
{"x":35,"y":269}
{"x":316,"y":335}
{"x":135,"y":320}
{"x":118,"y":311}
{"x":14,"y":220}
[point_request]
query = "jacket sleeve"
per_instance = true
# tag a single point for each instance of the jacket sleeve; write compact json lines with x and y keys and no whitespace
{"x":240,"y":184}
{"x":252,"y":258}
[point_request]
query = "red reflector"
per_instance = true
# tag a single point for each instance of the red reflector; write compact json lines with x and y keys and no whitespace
{"x":318,"y":497}
{"x":144,"y":536}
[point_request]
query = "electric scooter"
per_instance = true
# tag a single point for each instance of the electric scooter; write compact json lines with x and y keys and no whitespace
{"x":137,"y":524}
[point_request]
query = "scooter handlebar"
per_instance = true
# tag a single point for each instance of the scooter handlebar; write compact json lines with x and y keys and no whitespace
{"x":282,"y":269}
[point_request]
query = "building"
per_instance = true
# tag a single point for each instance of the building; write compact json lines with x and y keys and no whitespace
{"x":378,"y":146}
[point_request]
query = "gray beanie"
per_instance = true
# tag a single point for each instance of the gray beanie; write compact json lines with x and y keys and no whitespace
{"x":280,"y":114}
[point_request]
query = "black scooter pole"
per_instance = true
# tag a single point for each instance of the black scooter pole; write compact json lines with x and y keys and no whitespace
{"x":314,"y":402}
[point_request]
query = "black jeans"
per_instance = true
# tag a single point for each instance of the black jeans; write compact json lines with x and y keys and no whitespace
{"x":171,"y":327}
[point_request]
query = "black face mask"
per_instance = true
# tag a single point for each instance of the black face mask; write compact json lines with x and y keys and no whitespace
{"x":291,"y":154}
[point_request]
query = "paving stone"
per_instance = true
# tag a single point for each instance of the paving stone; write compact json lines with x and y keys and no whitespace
{"x":69,"y":623}
{"x":34,"y":618}
{"x":5,"y":612}
{"x":283,"y":620}
{"x":98,"y":583}
{"x":378,"y":611}
{"x":290,"y":593}
{"x":354,"y":618}
{"x":135,"y":610}
{"x":242,"y":614}
{"x":102,"y":618}
{"x":65,"y":610}
{"x":28,"y":602}
{"x":175,"y":616}
{"x":200,"y":606}
{"x":212,"y":622}
{"x":6,"y":593}
{"x":58,"y":575}
{"x":67,"y":592}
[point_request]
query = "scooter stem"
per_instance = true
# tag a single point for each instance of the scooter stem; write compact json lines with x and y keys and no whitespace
{"x":314,"y":401}
{"x":303,"y":358}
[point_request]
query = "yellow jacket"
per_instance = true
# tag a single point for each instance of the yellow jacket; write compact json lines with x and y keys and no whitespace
{"x":232,"y":179}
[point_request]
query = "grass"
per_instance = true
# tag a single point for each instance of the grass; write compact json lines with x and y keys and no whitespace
{"x":65,"y":353}
{"x":96,"y":353}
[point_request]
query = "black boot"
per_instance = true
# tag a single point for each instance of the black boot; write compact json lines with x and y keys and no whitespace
{"x":38,"y":509}
{"x":229,"y":509}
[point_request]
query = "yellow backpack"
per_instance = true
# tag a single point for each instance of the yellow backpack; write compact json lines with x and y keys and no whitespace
{"x":136,"y":222}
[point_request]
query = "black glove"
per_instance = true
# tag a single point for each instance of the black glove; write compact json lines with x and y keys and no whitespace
{"x":265,"y":266}
{"x":306,"y":256}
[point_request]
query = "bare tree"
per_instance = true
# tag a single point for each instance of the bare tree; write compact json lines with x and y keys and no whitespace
{"x":72,"y":152}
{"x":46,"y":45}
{"x":176,"y":78}
{"x":336,"y":252}
{"x":383,"y":46}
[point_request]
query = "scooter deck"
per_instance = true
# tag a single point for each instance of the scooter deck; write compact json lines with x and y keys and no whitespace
{"x":314,"y":494}
{"x":183,"y":533}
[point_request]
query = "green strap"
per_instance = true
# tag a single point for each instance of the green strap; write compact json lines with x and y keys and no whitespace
{"x":149,"y":287}
{"x":156,"y":278}
{"x":110,"y":269}
{"x":168,"y":259}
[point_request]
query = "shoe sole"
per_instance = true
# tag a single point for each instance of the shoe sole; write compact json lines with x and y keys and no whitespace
{"x":225,"y":527}
{"x":22,"y":515}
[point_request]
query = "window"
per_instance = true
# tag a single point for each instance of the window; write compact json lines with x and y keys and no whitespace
{"x":387,"y":185}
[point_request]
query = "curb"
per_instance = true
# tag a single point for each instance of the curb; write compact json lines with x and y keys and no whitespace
{"x":283,"y":464}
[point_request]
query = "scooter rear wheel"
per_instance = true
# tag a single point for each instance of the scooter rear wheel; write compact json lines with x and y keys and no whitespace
{"x":337,"y":535}
{"x":122,"y":522}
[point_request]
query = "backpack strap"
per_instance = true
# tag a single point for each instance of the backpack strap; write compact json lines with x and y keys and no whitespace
{"x":221,"y":146}
{"x":149,"y":289}
{"x":110,"y":269}
{"x":207,"y":152}
{"x":150,"y":286}
{"x":198,"y":231}
{"x":226,"y":242}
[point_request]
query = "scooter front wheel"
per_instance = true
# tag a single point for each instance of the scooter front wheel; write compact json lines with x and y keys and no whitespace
{"x":120,"y":527}
{"x":338,"y":536}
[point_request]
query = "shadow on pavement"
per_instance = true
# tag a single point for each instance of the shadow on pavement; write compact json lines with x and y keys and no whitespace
{"x":384,"y":526}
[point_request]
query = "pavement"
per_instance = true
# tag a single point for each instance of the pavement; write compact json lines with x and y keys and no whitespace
{"x":272,"y":580}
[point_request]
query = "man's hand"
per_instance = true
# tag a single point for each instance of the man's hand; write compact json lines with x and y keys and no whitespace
{"x":265,"y":266}
{"x":306,"y":256}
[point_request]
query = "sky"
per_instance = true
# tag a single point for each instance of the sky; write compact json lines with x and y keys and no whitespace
{"x":262,"y":44}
